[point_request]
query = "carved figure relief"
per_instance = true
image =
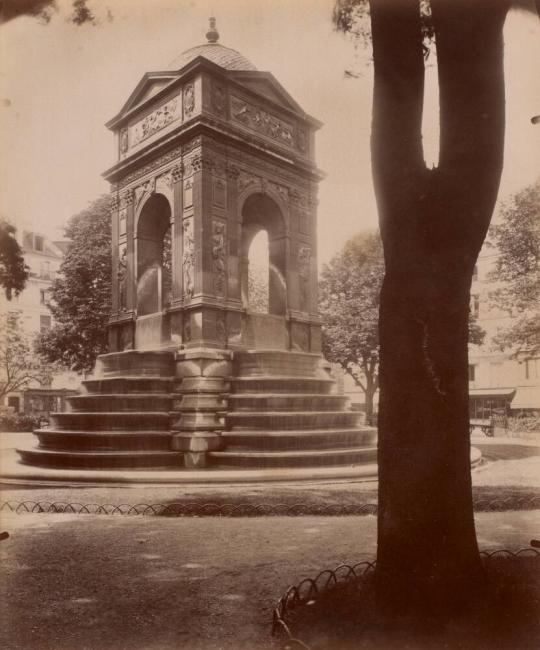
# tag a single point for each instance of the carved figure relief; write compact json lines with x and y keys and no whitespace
{"x":155,"y":121}
{"x":221,"y":329}
{"x":148,"y":187}
{"x":189,"y":100}
{"x":187,"y":330}
{"x":188,"y":193}
{"x":124,"y":141}
{"x":218,"y":193}
{"x":302,"y":140}
{"x":219,"y":243}
{"x":255,"y":118}
{"x":122,"y":220}
{"x":245,"y":180}
{"x":121,"y":278}
{"x":304,"y":263}
{"x":188,"y":258}
{"x":281,"y":190}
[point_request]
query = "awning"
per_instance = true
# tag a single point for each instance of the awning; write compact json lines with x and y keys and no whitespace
{"x":527,"y":397}
{"x":492,"y":392}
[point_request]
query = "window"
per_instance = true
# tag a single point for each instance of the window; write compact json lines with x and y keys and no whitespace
{"x":531,"y":369}
{"x":44,"y":323}
{"x":38,"y":243}
{"x":45,"y":270}
{"x":42,"y":296}
{"x":472,"y":369}
{"x":475,"y":272}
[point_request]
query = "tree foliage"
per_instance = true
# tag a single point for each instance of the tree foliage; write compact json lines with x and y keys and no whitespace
{"x":517,"y":271}
{"x":80,"y":296}
{"x":44,"y":10}
{"x":13,"y":271}
{"x":20,"y":366}
{"x":349,"y":291}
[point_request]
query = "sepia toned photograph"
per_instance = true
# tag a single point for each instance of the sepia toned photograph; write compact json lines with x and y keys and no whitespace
{"x":269,"y":324}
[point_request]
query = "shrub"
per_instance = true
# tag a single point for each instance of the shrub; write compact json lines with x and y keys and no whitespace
{"x":16,"y":422}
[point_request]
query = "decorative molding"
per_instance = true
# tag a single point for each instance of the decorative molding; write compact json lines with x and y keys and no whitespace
{"x":219,"y":254}
{"x":189,"y":100}
{"x":122,"y":222}
{"x":155,"y":121}
{"x":259,"y":120}
{"x":188,"y":258}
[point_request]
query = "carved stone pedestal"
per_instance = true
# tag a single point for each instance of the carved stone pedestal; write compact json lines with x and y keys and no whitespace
{"x":204,"y":374}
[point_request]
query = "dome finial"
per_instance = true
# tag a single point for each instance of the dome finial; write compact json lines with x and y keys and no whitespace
{"x":212,"y":35}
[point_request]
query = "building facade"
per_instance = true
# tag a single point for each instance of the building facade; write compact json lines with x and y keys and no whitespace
{"x":43,"y":258}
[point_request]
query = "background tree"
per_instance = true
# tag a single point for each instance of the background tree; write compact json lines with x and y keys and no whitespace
{"x":13,"y":270}
{"x":433,"y":223}
{"x":20,"y":366}
{"x":349,"y":291}
{"x":80,"y":296}
{"x":517,"y":268}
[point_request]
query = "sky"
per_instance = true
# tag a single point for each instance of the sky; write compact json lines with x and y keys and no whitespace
{"x":60,"y":83}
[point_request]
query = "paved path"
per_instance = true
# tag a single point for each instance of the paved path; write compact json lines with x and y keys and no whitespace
{"x":152,"y":583}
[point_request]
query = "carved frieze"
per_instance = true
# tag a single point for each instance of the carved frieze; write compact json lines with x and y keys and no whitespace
{"x":261,"y":121}
{"x":189,"y":100}
{"x":155,"y":121}
{"x":151,"y":166}
{"x":188,"y":258}
{"x":219,"y":256}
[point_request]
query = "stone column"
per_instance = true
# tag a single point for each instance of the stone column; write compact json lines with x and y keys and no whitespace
{"x":204,"y":374}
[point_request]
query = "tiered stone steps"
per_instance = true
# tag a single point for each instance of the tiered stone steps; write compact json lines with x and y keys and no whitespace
{"x":120,"y":421}
{"x":283,"y":412}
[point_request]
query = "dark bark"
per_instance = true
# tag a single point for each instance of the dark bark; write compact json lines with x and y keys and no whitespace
{"x":433,"y":223}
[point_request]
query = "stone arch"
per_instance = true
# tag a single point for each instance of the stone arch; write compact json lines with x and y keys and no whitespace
{"x":153,"y":254}
{"x":261,"y":212}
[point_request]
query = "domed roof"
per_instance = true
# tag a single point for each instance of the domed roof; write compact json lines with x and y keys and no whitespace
{"x":219,"y":54}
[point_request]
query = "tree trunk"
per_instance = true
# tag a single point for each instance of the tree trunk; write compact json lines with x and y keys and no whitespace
{"x":433,"y":223}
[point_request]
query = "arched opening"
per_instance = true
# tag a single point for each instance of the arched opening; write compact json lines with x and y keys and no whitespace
{"x":154,"y":262}
{"x":264,"y":288}
{"x":258,"y":272}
